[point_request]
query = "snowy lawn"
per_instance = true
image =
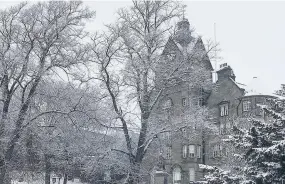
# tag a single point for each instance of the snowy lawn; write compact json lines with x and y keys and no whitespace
{"x":42,"y":182}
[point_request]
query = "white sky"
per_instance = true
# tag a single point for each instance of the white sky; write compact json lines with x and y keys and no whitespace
{"x":251,"y":34}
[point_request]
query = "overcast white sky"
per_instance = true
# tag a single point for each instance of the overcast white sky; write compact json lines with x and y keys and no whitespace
{"x":251,"y":34}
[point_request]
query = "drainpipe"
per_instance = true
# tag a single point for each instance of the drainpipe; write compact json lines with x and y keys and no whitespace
{"x":238,"y":105}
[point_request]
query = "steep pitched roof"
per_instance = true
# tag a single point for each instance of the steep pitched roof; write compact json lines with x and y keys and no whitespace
{"x":240,"y":85}
{"x":196,"y":45}
{"x":189,"y":48}
{"x":170,"y":46}
{"x":223,"y":68}
{"x":200,"y":46}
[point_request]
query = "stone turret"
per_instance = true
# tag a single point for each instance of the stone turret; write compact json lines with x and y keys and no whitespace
{"x":183,"y":34}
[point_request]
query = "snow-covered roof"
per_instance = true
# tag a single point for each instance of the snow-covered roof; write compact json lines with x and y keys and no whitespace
{"x":189,"y":47}
{"x":222,"y":68}
{"x":240,"y":85}
{"x":256,"y":88}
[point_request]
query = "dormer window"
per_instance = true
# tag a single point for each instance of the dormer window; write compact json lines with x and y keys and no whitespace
{"x":246,"y":106}
{"x":224,"y":109}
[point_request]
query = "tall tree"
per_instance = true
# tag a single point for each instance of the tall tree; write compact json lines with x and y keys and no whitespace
{"x":35,"y":40}
{"x":128,"y":56}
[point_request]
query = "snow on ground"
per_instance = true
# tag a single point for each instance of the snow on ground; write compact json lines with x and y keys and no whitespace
{"x":42,"y":182}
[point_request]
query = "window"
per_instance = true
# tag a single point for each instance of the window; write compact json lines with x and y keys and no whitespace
{"x":226,"y":152}
{"x":176,"y":175}
{"x":246,"y":106}
{"x":184,"y":151}
{"x":200,"y":101}
{"x":199,"y":151}
{"x":201,"y":91}
{"x":184,"y":132}
{"x":170,"y":56}
{"x":192,"y":151}
{"x":228,"y":125}
{"x":193,"y":102}
{"x":220,"y":150}
{"x":222,"y":128}
{"x":167,"y":136}
{"x":191,"y":174}
{"x":215,"y":151}
{"x":167,"y":104}
{"x":183,"y":102}
{"x":186,"y":118}
{"x":224,"y":110}
{"x":168,"y":152}
{"x":107,"y":175}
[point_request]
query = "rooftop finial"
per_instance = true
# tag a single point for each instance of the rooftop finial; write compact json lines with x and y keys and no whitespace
{"x":184,"y":7}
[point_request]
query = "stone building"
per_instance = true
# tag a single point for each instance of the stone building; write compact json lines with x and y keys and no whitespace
{"x":227,"y":100}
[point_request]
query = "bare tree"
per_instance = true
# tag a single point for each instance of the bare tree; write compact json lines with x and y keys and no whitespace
{"x":129,"y":59}
{"x":35,"y":41}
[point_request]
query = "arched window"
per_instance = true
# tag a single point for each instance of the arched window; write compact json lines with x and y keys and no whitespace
{"x":176,"y":175}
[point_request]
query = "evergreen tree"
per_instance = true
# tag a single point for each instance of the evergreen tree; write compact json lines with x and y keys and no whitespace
{"x":263,"y":146}
{"x":217,"y":175}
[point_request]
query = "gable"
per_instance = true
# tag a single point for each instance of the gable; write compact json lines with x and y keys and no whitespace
{"x":170,"y":47}
{"x":225,"y":90}
{"x":200,"y":49}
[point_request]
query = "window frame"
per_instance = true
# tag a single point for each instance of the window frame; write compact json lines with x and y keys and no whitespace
{"x":220,"y":150}
{"x":184,"y":151}
{"x":167,"y":104}
{"x":176,"y":174}
{"x":167,"y":135}
{"x":184,"y":102}
{"x":184,"y":132}
{"x":199,"y":155}
{"x":200,"y":101}
{"x":191,"y":153}
{"x":247,"y":104}
{"x":224,"y":109}
{"x":192,"y":173}
{"x":215,"y":151}
{"x":168,"y":152}
{"x":222,"y":128}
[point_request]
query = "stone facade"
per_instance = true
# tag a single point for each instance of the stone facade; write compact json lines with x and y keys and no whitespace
{"x":227,"y":100}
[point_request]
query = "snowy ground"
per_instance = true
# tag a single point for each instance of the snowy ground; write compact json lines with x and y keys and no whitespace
{"x":37,"y":178}
{"x":42,"y":182}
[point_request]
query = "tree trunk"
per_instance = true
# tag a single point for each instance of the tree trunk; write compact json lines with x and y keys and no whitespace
{"x":203,"y":150}
{"x":134,"y":176}
{"x":2,"y":171}
{"x":4,"y":175}
{"x":47,"y":168}
{"x":65,"y":178}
